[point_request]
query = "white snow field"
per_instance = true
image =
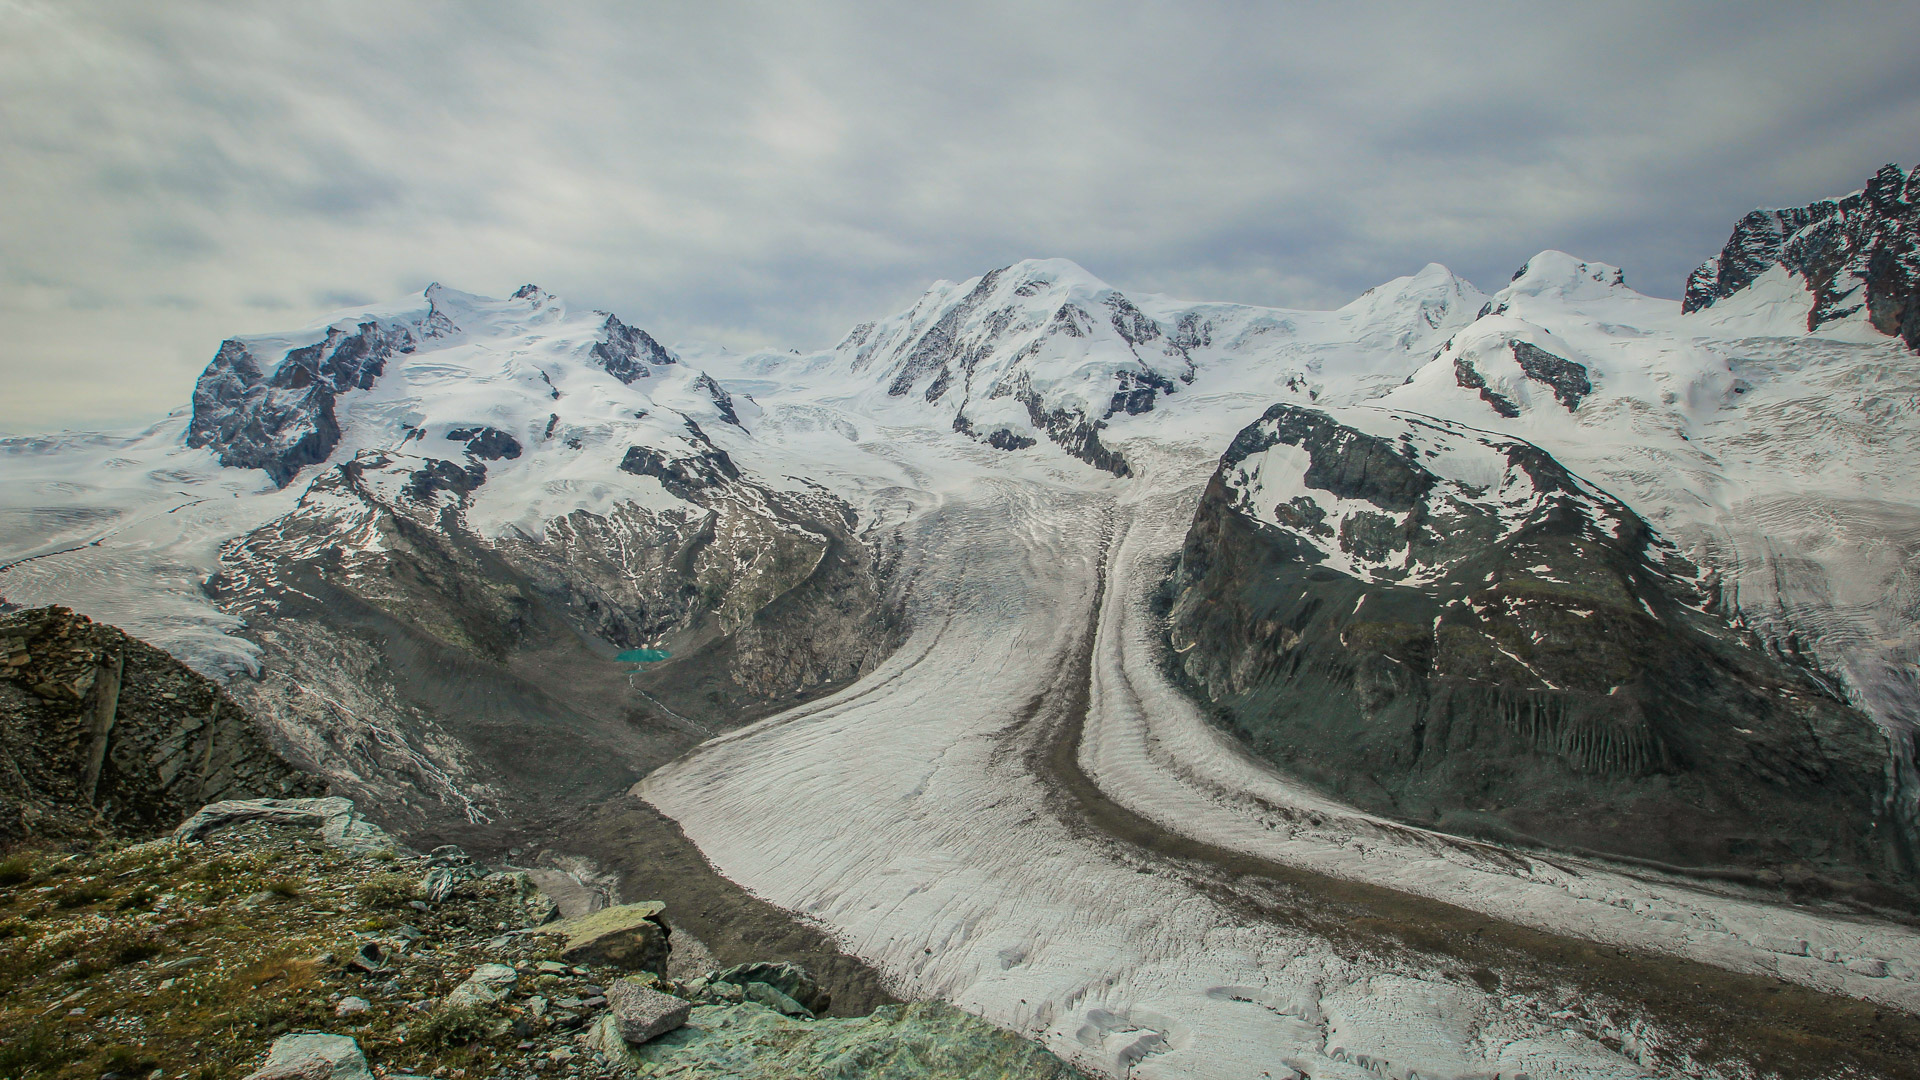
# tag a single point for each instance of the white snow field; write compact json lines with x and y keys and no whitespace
{"x":908,"y":814}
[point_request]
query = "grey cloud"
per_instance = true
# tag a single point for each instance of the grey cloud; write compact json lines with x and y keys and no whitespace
{"x":774,"y":173}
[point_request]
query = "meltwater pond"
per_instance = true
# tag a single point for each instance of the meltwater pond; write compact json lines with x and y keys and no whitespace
{"x":643,"y":656}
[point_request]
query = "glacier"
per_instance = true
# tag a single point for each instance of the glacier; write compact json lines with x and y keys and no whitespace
{"x":1032,"y":443}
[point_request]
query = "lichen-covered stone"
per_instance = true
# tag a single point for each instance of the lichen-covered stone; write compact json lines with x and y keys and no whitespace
{"x":791,"y":981}
{"x":488,"y":983}
{"x":333,"y":817}
{"x":640,"y":1013}
{"x":629,"y":936}
{"x":749,"y":1041}
{"x":313,"y":1056}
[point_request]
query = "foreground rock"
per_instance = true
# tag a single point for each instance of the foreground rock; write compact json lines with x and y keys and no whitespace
{"x":640,"y":1013}
{"x":631,"y":937}
{"x":335,"y":818}
{"x":314,"y":1057}
{"x":102,"y":734}
{"x":749,"y":1041}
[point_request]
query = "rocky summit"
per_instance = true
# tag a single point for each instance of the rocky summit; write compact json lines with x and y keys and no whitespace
{"x":1858,"y":256}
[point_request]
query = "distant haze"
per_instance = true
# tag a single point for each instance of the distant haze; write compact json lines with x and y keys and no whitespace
{"x":769,"y":175}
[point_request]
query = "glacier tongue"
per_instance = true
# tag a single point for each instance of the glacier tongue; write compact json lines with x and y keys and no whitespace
{"x":907,"y":814}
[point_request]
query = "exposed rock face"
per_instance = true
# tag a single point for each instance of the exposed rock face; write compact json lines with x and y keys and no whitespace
{"x":282,"y":420}
{"x":706,"y":468}
{"x":1448,"y":627}
{"x":444,"y":677}
{"x":487,"y":443}
{"x":1862,"y":251}
{"x":101,"y":732}
{"x":1566,"y":379}
{"x":626,"y":351}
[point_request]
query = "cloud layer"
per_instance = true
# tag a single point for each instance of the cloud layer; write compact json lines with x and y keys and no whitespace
{"x":771,"y":174}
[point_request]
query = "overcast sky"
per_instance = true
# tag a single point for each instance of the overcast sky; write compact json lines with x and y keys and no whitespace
{"x":174,"y":173}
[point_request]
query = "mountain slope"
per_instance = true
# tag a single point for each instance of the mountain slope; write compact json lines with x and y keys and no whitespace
{"x":1450,"y":628}
{"x":1044,"y":351}
{"x":1859,"y":257}
{"x":464,"y":509}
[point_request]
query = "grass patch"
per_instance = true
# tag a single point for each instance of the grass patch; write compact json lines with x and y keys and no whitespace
{"x":33,"y":1053}
{"x":457,"y":1026}
{"x":16,"y":870}
{"x":387,"y":890}
{"x":81,"y":894}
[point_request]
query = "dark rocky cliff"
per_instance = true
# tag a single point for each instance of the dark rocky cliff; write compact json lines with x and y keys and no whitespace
{"x":1523,"y":661}
{"x":1860,"y":251}
{"x":101,"y":733}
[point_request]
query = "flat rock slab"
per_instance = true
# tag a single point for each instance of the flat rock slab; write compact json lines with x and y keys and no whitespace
{"x":922,"y":1041}
{"x":488,"y":983}
{"x":314,"y":1057}
{"x":641,"y":1013}
{"x":628,"y":936}
{"x":339,"y":824}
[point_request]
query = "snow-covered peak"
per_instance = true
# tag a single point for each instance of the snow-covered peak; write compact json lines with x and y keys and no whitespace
{"x":1561,"y":276}
{"x":1045,"y":351}
{"x":1414,"y":312}
{"x":549,"y":402}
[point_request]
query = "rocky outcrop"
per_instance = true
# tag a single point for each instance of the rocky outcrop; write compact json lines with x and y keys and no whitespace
{"x":333,"y":817}
{"x":1858,"y":252}
{"x":1070,"y":430}
{"x":282,"y":419}
{"x":487,"y":443}
{"x":627,"y":351}
{"x":687,"y":475}
{"x":1566,"y":379}
{"x":101,"y":733}
{"x":1450,"y":628}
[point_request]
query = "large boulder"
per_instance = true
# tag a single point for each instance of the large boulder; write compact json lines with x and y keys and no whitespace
{"x":791,"y":981}
{"x":629,"y":936}
{"x":314,"y":1057}
{"x":640,"y":1013}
